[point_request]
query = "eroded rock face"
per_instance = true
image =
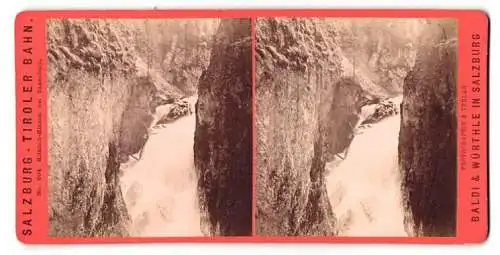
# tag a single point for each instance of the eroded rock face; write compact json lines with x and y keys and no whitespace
{"x":223,"y":136}
{"x":96,"y":101}
{"x":427,"y":139}
{"x":305,"y":110}
{"x":84,"y":199}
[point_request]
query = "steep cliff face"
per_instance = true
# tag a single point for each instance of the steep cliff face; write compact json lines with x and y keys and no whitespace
{"x":223,"y":135}
{"x":100,"y":105}
{"x":83,"y":158}
{"x":427,"y":139}
{"x":84,"y":120}
{"x":305,"y":104}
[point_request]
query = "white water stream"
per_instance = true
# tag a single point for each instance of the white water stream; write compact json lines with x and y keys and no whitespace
{"x":364,"y":189}
{"x":160,"y":189}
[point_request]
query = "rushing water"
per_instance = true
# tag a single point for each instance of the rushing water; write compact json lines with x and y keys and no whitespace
{"x":364,"y":188}
{"x":160,"y":189}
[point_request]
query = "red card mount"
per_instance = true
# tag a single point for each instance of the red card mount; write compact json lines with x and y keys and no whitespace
{"x":327,"y":126}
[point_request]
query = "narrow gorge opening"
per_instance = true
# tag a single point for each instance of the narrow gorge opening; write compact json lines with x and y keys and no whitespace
{"x":194,"y":167}
{"x":158,"y":179}
{"x":364,"y":181}
{"x":159,"y":183}
{"x":356,"y":126}
{"x":150,"y":111}
{"x":395,"y":174}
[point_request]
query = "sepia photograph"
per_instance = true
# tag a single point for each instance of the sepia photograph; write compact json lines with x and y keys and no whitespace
{"x":356,"y":131}
{"x":149,"y":127}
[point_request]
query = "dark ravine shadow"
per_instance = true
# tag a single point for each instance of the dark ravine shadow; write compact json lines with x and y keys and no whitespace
{"x":223,"y":134}
{"x":428,"y":135}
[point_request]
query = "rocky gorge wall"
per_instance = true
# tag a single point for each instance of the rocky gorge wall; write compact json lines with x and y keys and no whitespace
{"x":305,"y":106}
{"x":102,"y":101}
{"x":427,"y":139}
{"x":223,"y":134}
{"x":90,"y":76}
